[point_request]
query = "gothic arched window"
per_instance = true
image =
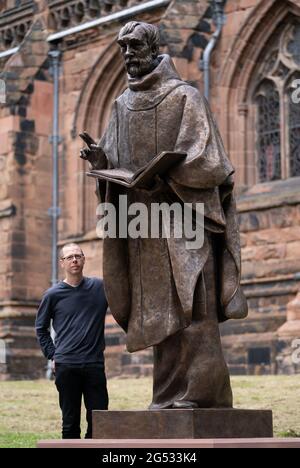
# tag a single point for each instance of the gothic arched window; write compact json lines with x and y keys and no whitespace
{"x":294,"y":124}
{"x":268,"y":129}
{"x":277,"y":110}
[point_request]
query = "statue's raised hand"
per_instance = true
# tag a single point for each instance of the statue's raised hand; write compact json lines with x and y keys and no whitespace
{"x":93,"y":153}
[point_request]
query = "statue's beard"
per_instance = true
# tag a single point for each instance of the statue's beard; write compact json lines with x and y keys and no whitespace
{"x":141,"y":67}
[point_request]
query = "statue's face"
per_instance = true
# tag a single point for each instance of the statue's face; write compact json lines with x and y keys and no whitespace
{"x":138,"y":56}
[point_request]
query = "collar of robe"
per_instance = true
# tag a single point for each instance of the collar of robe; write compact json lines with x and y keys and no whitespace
{"x":149,"y":91}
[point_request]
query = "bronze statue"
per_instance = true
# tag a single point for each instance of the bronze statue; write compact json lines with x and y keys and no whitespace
{"x":161,"y":293}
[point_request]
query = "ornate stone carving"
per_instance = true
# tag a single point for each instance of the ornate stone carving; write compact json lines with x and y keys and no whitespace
{"x":67,"y":14}
{"x":14,"y":24}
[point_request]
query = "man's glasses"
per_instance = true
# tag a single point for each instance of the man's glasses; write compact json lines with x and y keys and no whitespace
{"x":70,"y":257}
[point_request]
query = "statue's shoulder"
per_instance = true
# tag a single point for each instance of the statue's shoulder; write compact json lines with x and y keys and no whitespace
{"x":190,"y":94}
{"x":120,"y":99}
{"x":189,"y":90}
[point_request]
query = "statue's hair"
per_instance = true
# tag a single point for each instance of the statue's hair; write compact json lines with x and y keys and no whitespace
{"x":150,"y":30}
{"x":70,"y":244}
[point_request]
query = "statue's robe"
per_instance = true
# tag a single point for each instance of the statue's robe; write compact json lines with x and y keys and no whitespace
{"x":159,"y":291}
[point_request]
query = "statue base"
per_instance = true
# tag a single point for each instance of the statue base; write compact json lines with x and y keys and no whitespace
{"x":183,"y":424}
{"x":172,"y":444}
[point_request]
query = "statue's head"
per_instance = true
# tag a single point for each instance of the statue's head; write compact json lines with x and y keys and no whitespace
{"x":139,"y":43}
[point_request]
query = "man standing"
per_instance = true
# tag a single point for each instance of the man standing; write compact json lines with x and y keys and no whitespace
{"x":169,"y":296}
{"x":77,"y":306}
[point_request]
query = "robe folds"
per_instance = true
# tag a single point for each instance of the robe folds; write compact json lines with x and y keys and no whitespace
{"x":150,"y":283}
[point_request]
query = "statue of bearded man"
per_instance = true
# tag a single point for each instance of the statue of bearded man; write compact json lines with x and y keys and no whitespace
{"x":161,"y":293}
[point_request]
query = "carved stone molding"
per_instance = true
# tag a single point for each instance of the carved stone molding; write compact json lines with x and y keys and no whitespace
{"x":14,"y":24}
{"x":74,"y":12}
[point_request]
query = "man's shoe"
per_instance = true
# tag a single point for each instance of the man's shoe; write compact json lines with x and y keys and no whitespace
{"x":184,"y":404}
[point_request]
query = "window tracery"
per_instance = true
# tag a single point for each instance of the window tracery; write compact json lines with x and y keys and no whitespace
{"x":277,"y":113}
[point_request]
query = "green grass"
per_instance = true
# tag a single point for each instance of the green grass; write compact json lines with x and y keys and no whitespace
{"x":24,"y":439}
{"x":29,"y":410}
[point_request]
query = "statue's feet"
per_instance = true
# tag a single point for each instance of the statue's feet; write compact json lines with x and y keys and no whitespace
{"x":184,"y":404}
{"x":158,"y":407}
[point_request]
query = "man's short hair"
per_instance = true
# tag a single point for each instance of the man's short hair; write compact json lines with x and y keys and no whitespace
{"x":70,"y":244}
{"x":150,"y":30}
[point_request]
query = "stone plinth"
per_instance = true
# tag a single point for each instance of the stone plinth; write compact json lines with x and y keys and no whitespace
{"x":171,"y":443}
{"x":182,"y":424}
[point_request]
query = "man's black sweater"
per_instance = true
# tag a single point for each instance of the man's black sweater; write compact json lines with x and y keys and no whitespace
{"x":78,"y":315}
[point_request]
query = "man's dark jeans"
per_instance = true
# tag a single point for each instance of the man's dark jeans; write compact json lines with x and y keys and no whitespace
{"x":73,"y":382}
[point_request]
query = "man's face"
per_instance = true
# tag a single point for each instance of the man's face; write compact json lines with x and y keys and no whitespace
{"x":73,"y":260}
{"x":137,"y":53}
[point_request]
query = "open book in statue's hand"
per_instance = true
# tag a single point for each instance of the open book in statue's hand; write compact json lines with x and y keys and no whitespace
{"x":144,"y":177}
